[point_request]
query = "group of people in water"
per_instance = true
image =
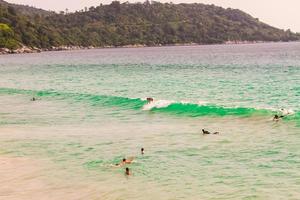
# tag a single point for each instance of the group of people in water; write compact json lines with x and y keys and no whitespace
{"x":126,"y":161}
{"x":205,"y":132}
{"x":275,"y":118}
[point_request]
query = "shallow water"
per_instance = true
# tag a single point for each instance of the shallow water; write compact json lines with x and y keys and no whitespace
{"x":91,"y":113}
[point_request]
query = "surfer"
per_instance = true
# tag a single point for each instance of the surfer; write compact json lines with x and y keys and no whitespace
{"x":277,"y":117}
{"x":285,"y":112}
{"x":150,"y":100}
{"x":207,"y":132}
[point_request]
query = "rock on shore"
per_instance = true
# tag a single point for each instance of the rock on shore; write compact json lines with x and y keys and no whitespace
{"x":23,"y":49}
{"x":4,"y":51}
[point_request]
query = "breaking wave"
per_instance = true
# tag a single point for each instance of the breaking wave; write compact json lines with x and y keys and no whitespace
{"x":187,"y":109}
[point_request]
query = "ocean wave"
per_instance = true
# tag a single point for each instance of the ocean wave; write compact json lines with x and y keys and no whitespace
{"x":157,"y":104}
{"x":198,"y":110}
{"x":184,"y":108}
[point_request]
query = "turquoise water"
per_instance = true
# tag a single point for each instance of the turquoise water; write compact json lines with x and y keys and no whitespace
{"x":91,"y":112}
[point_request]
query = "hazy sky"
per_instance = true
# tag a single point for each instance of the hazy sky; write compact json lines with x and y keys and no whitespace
{"x":280,"y":13}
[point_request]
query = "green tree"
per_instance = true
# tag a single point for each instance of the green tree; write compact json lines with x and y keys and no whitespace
{"x":7,"y":37}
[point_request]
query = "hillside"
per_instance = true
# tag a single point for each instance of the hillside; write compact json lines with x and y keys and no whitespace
{"x":140,"y":23}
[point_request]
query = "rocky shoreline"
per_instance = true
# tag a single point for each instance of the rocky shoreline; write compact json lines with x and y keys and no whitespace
{"x":25,"y":49}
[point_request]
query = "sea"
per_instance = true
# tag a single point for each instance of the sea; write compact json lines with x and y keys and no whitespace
{"x":91,"y":111}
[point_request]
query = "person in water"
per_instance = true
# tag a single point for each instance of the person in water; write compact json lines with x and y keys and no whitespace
{"x":277,"y":117}
{"x":142,"y":151}
{"x":207,"y":132}
{"x":127,"y":172}
{"x":127,"y":161}
{"x":150,"y":99}
{"x":124,"y":162}
{"x":285,"y":112}
{"x":33,"y":99}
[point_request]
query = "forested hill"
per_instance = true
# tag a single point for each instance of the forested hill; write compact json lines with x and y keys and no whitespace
{"x":120,"y":24}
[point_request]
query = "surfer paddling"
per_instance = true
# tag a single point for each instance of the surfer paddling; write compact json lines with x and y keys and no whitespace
{"x":208,"y":133}
{"x":276,"y":118}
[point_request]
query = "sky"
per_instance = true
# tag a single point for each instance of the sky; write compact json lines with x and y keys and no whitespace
{"x":283,"y":14}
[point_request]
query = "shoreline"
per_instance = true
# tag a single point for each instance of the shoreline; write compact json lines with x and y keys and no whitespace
{"x":25,"y":49}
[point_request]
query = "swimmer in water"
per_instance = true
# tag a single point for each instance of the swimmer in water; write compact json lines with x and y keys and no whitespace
{"x":127,"y":172}
{"x":33,"y":99}
{"x":124,"y":162}
{"x":142,"y":151}
{"x":150,"y":100}
{"x":128,"y":160}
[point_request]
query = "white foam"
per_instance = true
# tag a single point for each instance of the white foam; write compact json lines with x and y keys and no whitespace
{"x":185,"y":102}
{"x":157,"y":104}
{"x":282,"y":111}
{"x":287,"y":111}
{"x":202,"y":102}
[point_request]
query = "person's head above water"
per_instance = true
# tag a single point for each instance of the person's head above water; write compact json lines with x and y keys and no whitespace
{"x":142,"y":150}
{"x":127,"y":172}
{"x":124,"y":160}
